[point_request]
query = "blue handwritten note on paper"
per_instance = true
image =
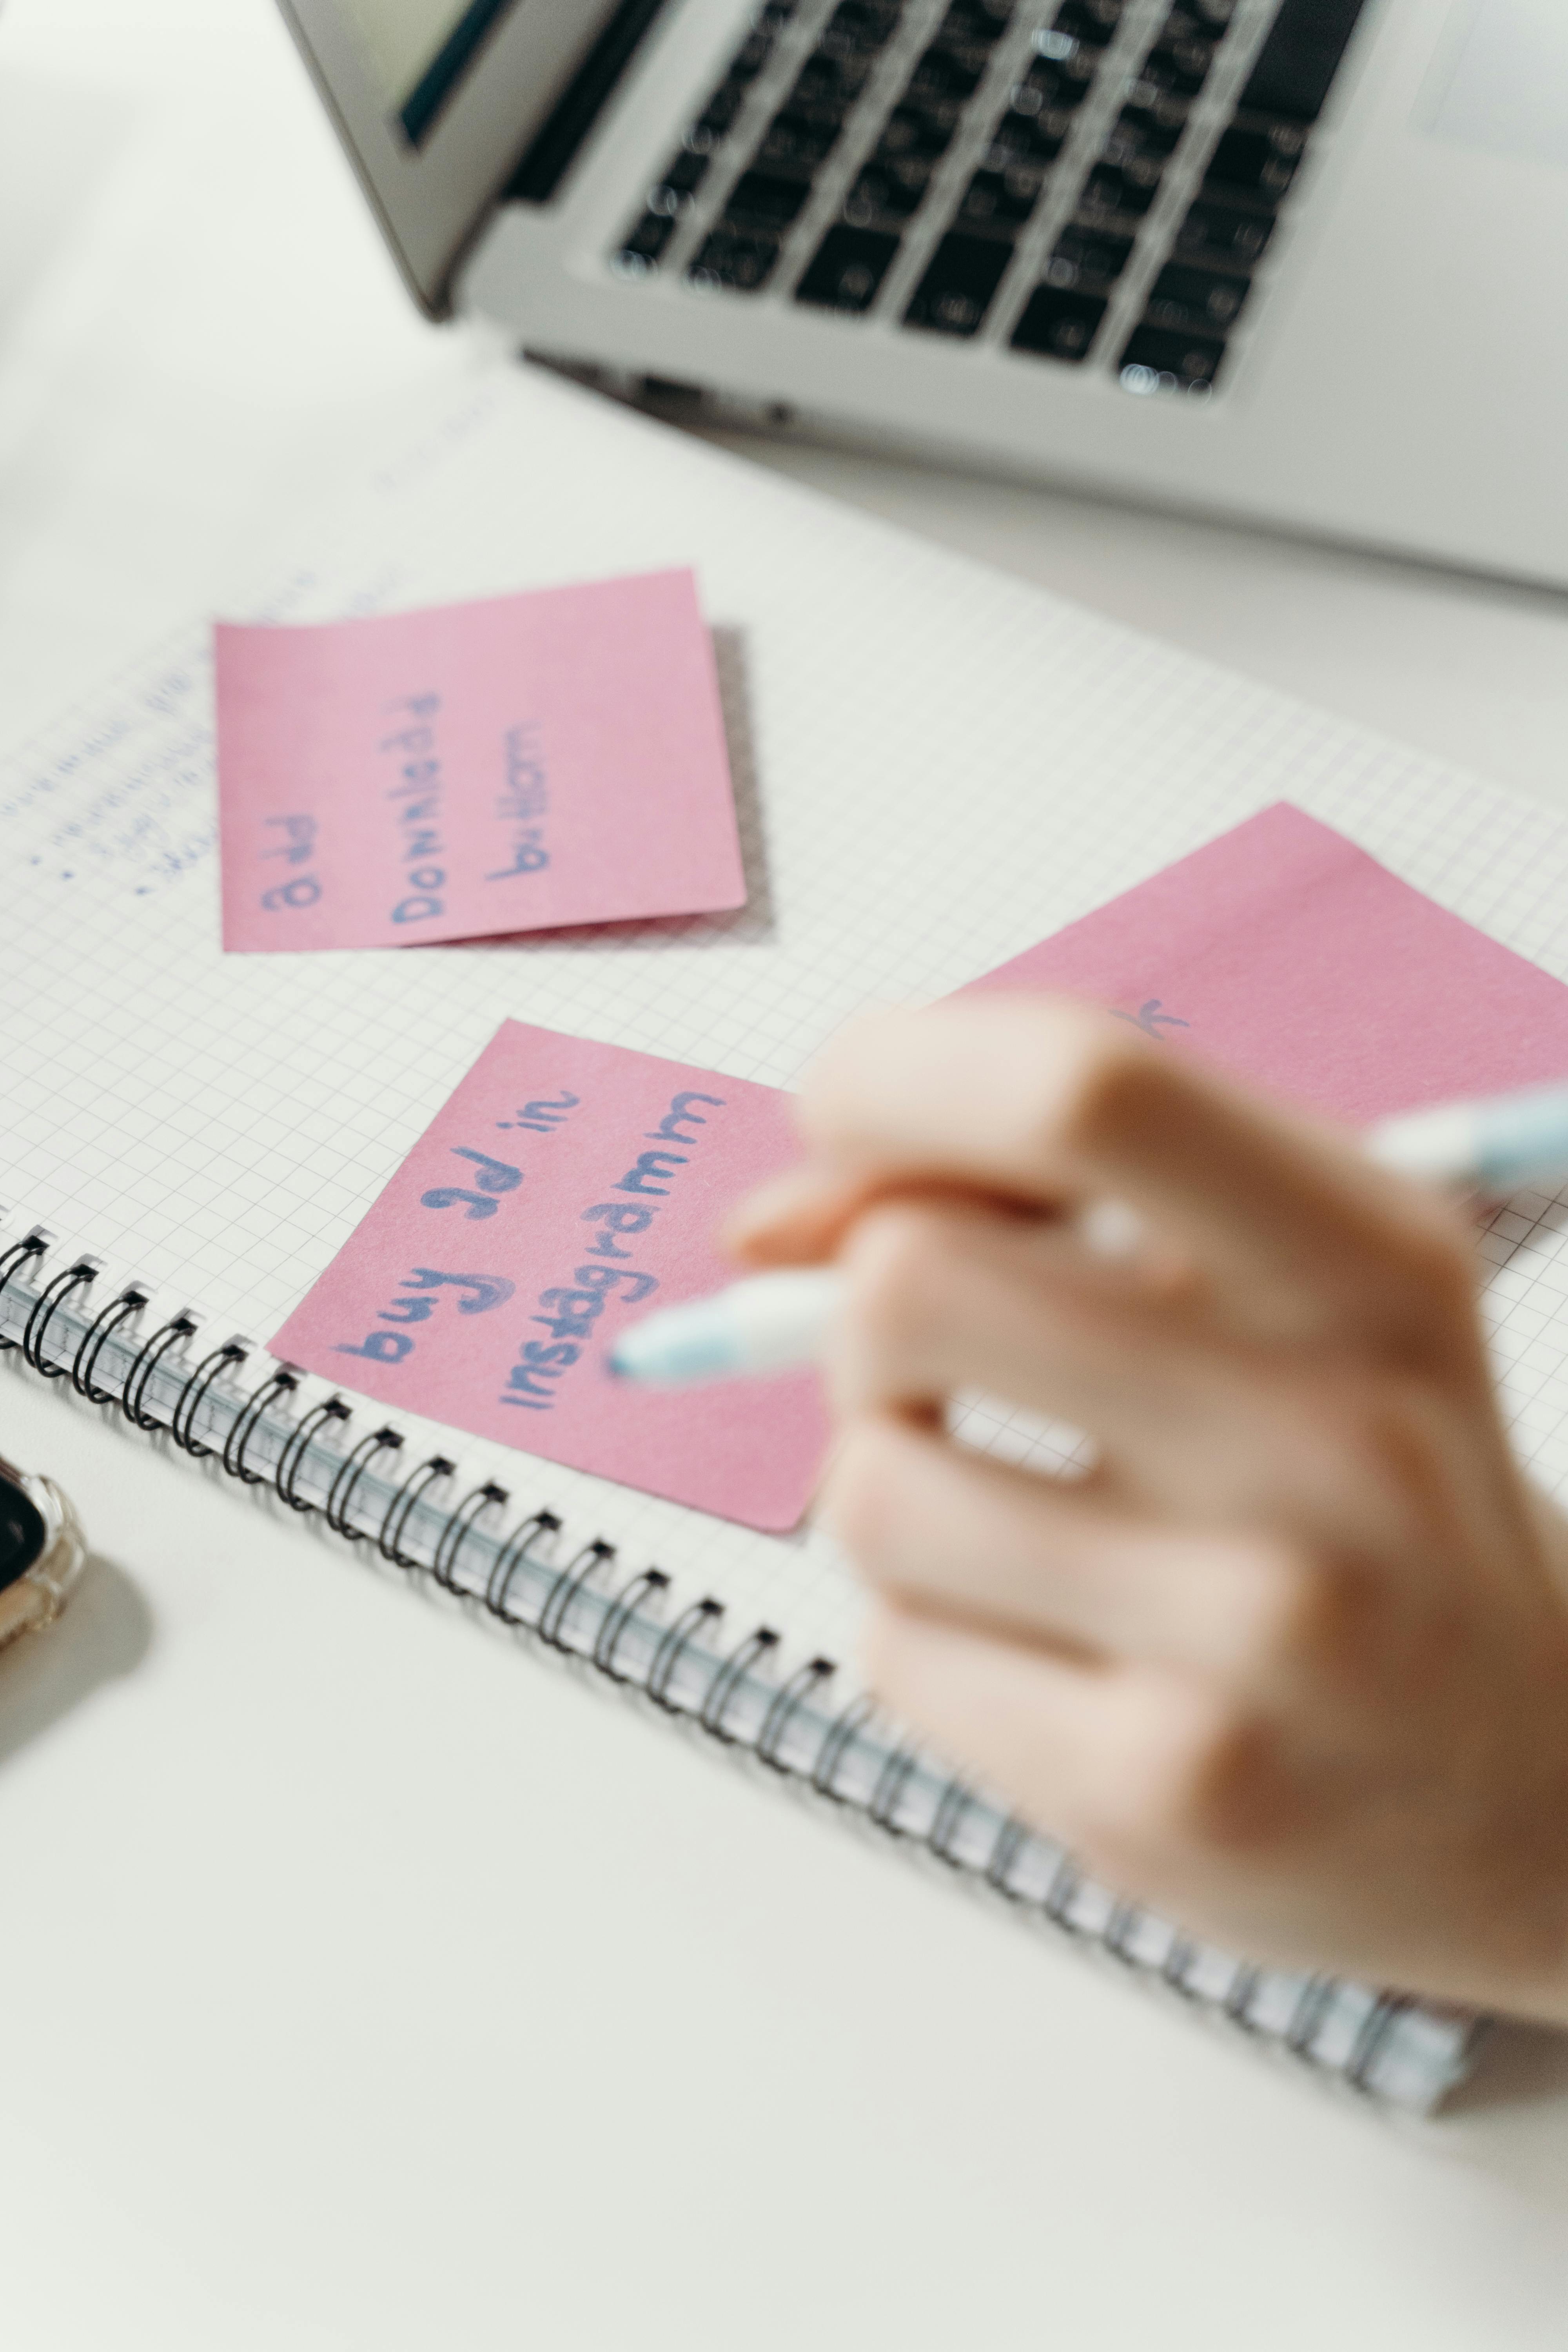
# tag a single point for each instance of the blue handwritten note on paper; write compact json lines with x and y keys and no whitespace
{"x":563,"y":1187}
{"x":505,"y":766}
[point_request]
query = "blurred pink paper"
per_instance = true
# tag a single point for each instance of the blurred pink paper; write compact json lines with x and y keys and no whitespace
{"x":1290,"y":957}
{"x":565,"y":1189}
{"x":506,"y":766}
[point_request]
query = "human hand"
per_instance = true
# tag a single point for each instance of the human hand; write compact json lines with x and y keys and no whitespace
{"x":1290,"y":1662}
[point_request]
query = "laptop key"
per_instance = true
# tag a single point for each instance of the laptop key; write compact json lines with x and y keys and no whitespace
{"x":1161,"y":109}
{"x":1094,"y":21}
{"x":976,"y":20}
{"x":1005,"y":197}
{"x":831,"y":83}
{"x":1300,"y":58}
{"x":859,"y":28}
{"x":1058,"y":324}
{"x":1257,"y":164}
{"x":640,"y":251}
{"x":801,"y":140}
{"x":1026,"y":139}
{"x":741,"y":263}
{"x":751,"y":58}
{"x":893,"y":191}
{"x":961,"y":278}
{"x":764,"y":200}
{"x":722,"y":109}
{"x":925,"y":131}
{"x":1198,"y":20}
{"x":1084,"y":255}
{"x":1021,"y":137}
{"x":683,"y":175}
{"x":945,"y":72}
{"x":1187,"y":298}
{"x":1060,"y":79}
{"x":1178,"y":68}
{"x":1119,"y":188}
{"x":1138,"y":136}
{"x":846,"y":271}
{"x":1156,"y":360}
{"x":1219,"y":232}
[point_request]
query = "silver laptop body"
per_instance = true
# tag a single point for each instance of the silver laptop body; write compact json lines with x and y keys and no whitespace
{"x":1303,"y":261}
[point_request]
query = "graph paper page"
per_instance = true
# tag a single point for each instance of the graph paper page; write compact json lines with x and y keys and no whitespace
{"x":935,"y":767}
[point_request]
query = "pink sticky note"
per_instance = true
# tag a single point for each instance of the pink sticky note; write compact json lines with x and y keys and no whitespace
{"x":563,"y":1189}
{"x":505,"y":766}
{"x":1290,"y":958}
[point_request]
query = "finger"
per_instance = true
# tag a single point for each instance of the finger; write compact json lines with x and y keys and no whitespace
{"x":802,"y":1218}
{"x":1112,"y":1762}
{"x":1047,"y":1099}
{"x":937,"y":1301}
{"x":1194,"y":1424}
{"x":1166,"y":1791}
{"x":795,"y":1219}
{"x":1013,"y":1554}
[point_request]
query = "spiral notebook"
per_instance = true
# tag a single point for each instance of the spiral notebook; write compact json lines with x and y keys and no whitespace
{"x":934,"y":768}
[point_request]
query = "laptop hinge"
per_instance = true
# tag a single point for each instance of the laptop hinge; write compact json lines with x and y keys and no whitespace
{"x":557,"y":144}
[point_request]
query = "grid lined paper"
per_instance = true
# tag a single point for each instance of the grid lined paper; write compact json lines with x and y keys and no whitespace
{"x":935,"y":767}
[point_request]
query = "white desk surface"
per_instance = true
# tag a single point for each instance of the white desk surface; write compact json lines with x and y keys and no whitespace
{"x":368,"y":1986}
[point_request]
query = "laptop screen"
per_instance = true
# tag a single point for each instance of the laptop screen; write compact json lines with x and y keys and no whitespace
{"x":436,"y":101}
{"x":417,"y":51}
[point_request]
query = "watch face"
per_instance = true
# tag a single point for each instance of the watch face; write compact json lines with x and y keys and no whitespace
{"x":23,"y":1534}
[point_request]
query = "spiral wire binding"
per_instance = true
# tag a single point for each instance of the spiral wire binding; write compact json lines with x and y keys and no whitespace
{"x":341,"y":1493}
{"x":642,"y":1591}
{"x":1002,"y":1855}
{"x":193,"y":1396}
{"x":390,"y":1534}
{"x":290,"y":1460}
{"x":509,"y":1563}
{"x":948,"y":1818}
{"x":598,"y":1560}
{"x":133,"y":1396}
{"x":891,"y":1782}
{"x":248,"y":1420}
{"x":702,"y":1615}
{"x":20,"y":1253}
{"x":487,"y":1497}
{"x":746,"y":1655}
{"x":1065,"y":1879}
{"x":847,"y":1726}
{"x":49,"y":1300}
{"x":1176,"y":1965}
{"x":1119,"y":1930}
{"x":792,"y":1696}
{"x":1382,"y":2045}
{"x":96,"y":1338}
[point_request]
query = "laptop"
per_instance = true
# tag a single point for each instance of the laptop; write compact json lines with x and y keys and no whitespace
{"x":1299,"y":261}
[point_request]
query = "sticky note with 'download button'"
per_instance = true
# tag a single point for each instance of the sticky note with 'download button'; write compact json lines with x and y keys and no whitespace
{"x":512,"y":765}
{"x":565,"y":1189}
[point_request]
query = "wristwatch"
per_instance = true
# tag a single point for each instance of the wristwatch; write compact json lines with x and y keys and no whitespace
{"x":42,"y":1549}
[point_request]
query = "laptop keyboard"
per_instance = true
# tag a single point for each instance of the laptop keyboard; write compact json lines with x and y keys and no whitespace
{"x":1093,"y":181}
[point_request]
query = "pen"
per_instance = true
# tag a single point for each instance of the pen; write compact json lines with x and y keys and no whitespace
{"x":775,"y":1322}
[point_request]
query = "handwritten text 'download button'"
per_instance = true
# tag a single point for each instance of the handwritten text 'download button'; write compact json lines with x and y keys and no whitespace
{"x":474,"y":769}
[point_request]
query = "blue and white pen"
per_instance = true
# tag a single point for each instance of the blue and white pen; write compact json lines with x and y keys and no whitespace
{"x":776,"y":1322}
